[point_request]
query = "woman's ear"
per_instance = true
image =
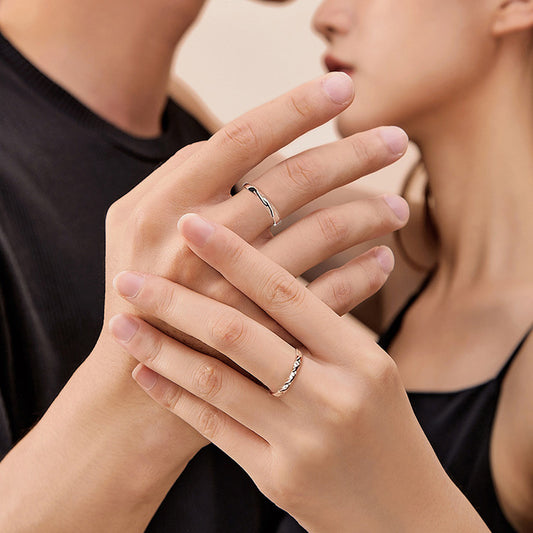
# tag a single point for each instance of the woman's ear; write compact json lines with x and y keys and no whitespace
{"x":513,"y":16}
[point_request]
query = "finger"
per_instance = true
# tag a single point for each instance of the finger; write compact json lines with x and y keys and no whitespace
{"x":250,"y":345}
{"x":239,"y":146}
{"x":346,"y":287}
{"x":201,"y":375}
{"x":271,"y":287}
{"x":309,"y":175}
{"x":330,"y":231}
{"x":241,"y":444}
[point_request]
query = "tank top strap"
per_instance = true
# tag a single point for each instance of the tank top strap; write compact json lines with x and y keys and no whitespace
{"x":390,"y":333}
{"x":516,"y":351}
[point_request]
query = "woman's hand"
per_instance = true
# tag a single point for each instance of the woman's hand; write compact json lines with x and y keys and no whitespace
{"x":341,"y":450}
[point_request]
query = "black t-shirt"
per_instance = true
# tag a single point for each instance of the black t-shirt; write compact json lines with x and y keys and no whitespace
{"x":61,"y":167}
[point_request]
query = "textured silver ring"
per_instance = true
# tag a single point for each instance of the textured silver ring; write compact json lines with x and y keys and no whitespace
{"x":295,"y":367}
{"x":265,"y":201}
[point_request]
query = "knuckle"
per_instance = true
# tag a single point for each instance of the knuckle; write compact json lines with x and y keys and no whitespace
{"x":341,"y":290}
{"x":364,"y":151}
{"x":313,"y":450}
{"x":382,"y":373}
{"x":302,"y":172}
{"x":332,"y":226}
{"x":241,"y":133}
{"x":153,"y":350}
{"x":160,"y":300}
{"x":340,"y":402}
{"x":379,"y":376}
{"x":186,"y":266}
{"x":343,"y":409}
{"x":142,"y":228}
{"x":171,"y":397}
{"x":349,"y":415}
{"x":207,"y":381}
{"x":117,"y":214}
{"x":112,"y":214}
{"x":227,"y":331}
{"x":372,"y":275}
{"x":289,"y":475}
{"x":233,"y":254}
{"x":301,"y":106}
{"x":209,"y":422}
{"x":222,"y":291}
{"x":139,"y":219}
{"x":183,"y":154}
{"x":282,"y":290}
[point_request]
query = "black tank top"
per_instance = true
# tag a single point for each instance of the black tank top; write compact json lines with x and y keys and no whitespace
{"x":459,"y":427}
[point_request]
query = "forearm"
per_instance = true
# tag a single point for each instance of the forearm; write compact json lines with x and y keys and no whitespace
{"x":101,"y":459}
{"x":428,"y":501}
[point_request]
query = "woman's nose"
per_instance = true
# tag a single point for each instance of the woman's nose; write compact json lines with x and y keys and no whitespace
{"x":331,"y":18}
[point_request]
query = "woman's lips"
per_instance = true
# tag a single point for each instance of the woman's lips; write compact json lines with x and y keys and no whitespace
{"x":334,"y":65}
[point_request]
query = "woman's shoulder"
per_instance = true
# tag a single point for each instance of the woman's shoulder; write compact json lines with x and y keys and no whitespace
{"x":512,"y":441}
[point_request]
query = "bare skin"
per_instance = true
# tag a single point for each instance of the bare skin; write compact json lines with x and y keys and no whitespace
{"x":122,"y":75}
{"x":336,"y":419}
{"x":475,"y":141}
{"x":101,"y":413}
{"x":452,"y":95}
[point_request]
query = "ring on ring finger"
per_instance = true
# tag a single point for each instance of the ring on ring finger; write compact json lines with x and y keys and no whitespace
{"x":295,"y":367}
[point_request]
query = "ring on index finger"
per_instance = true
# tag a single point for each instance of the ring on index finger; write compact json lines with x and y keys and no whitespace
{"x":265,"y":201}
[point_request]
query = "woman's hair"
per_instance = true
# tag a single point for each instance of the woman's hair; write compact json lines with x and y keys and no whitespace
{"x":418,"y":176}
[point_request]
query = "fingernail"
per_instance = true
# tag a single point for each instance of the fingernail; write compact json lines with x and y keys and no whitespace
{"x":385,"y":258}
{"x":145,"y":377}
{"x":195,"y":229}
{"x":339,"y":87}
{"x":128,"y":284}
{"x":398,"y":205}
{"x":123,"y":328}
{"x":395,"y":138}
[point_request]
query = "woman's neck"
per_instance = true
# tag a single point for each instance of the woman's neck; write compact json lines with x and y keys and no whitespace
{"x":115,"y":56}
{"x":480,"y":162}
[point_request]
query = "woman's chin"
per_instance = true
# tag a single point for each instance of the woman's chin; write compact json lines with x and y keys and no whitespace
{"x":349,"y":123}
{"x":356,"y":119}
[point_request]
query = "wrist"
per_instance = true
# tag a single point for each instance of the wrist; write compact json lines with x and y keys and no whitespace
{"x":103,"y":455}
{"x":439,"y":511}
{"x":119,"y":440}
{"x":158,"y":435}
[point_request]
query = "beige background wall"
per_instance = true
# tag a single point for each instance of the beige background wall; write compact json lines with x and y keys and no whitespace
{"x":242,"y":53}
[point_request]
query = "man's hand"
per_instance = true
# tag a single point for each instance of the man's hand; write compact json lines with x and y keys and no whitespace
{"x":142,"y":232}
{"x":102,"y":429}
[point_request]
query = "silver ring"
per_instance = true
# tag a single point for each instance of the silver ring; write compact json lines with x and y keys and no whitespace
{"x":265,"y":201}
{"x":295,"y":367}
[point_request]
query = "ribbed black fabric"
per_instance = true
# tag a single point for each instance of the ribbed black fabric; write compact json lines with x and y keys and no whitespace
{"x":61,"y":167}
{"x":459,"y":426}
